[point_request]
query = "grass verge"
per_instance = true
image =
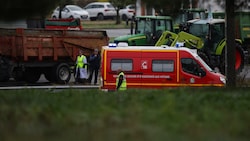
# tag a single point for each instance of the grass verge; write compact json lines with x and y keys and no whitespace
{"x":186,"y":114}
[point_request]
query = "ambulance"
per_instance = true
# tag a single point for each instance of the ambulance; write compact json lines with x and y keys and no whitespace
{"x":156,"y":67}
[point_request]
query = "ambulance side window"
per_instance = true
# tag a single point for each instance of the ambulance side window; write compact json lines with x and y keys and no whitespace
{"x":124,"y":64}
{"x":163,"y":65}
{"x":189,"y":65}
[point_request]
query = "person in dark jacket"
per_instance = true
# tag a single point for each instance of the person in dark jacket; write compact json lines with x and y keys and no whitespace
{"x":94,"y":66}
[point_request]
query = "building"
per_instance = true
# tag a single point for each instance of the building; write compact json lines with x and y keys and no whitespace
{"x":143,"y":9}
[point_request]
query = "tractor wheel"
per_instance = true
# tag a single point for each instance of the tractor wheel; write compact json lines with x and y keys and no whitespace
{"x":239,"y":59}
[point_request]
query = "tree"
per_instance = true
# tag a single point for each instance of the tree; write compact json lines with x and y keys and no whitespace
{"x":83,"y":3}
{"x":21,"y":9}
{"x":118,"y":4}
{"x":62,"y":4}
{"x":169,"y":7}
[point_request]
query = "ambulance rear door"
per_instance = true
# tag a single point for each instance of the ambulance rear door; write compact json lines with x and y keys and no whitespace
{"x":128,"y":61}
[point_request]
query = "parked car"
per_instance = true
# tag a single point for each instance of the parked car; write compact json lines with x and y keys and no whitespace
{"x":71,"y":11}
{"x":100,"y":10}
{"x":127,"y":12}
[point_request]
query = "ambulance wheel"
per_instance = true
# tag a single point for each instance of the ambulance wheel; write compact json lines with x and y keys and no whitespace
{"x":239,"y":59}
{"x":62,"y":73}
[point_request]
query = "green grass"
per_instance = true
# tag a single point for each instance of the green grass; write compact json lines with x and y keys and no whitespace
{"x":187,"y":114}
{"x":106,"y":24}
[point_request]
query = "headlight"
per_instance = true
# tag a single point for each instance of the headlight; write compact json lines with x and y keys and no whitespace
{"x":222,"y":79}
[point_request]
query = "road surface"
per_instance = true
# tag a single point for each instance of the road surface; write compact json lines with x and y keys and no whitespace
{"x":117,"y":32}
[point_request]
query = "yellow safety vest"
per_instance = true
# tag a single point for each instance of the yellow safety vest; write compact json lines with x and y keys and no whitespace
{"x":80,"y":63}
{"x":124,"y":82}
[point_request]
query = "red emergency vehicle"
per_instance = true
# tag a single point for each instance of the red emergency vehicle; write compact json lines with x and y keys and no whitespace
{"x":156,"y":67}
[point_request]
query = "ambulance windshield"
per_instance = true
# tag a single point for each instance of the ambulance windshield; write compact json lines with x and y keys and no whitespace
{"x":203,"y":63}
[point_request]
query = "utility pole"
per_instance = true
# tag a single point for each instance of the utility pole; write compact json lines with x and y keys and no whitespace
{"x":230,"y":45}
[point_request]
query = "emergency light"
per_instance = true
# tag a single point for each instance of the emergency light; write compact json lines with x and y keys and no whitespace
{"x":112,"y":44}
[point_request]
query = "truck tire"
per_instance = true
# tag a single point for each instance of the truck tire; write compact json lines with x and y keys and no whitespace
{"x":239,"y":59}
{"x":32,"y":75}
{"x":62,"y":73}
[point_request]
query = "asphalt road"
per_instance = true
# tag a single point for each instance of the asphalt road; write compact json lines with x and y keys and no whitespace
{"x":117,"y":32}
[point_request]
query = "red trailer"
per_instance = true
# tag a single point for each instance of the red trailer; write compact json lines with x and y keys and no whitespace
{"x":25,"y":54}
{"x":63,"y":24}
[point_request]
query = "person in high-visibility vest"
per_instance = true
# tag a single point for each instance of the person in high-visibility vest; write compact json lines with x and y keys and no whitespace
{"x":121,"y":83}
{"x":81,"y":67}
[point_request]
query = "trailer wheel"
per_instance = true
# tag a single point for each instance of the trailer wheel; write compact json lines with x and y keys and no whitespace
{"x":4,"y":75}
{"x":18,"y":74}
{"x":4,"y":69}
{"x":62,"y":73}
{"x":49,"y":75}
{"x":239,"y":59}
{"x":32,"y":75}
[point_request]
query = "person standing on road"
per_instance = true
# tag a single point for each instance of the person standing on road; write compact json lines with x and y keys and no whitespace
{"x":121,"y":83}
{"x":94,"y":66}
{"x":81,"y":68}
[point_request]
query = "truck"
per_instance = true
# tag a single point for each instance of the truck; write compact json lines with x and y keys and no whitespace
{"x":148,"y":30}
{"x":156,"y":67}
{"x":208,"y":36}
{"x":26,"y":53}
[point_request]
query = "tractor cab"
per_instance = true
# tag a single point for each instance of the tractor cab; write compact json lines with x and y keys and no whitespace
{"x":147,"y":31}
{"x":211,"y":31}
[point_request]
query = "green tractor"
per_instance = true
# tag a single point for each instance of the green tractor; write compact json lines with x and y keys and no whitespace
{"x":242,"y":26}
{"x":148,"y":30}
{"x":188,"y":14}
{"x":208,"y":36}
